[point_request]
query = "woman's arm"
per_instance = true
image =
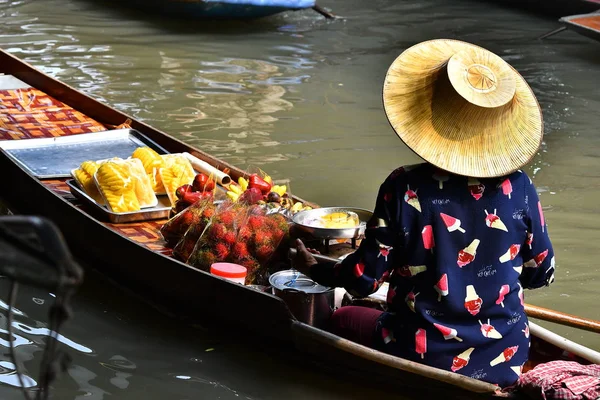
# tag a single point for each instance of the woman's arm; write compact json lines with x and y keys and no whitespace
{"x":359,"y":273}
{"x":537,"y":252}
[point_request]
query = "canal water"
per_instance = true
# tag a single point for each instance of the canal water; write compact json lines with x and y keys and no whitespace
{"x":300,"y":97}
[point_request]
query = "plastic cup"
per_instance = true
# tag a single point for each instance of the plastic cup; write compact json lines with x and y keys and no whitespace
{"x":233,"y":272}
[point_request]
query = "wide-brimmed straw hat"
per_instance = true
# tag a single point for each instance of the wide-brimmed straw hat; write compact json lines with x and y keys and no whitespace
{"x":462,"y":108}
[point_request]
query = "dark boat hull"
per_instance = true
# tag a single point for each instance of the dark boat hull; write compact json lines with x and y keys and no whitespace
{"x":216,"y":9}
{"x":586,"y":24}
{"x":554,"y":8}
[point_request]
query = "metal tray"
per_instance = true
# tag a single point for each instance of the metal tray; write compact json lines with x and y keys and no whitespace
{"x":56,"y":157}
{"x":303,"y":218}
{"x":161,"y":211}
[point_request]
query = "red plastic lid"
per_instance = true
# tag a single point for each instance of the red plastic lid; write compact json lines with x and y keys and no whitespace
{"x":228,"y":270}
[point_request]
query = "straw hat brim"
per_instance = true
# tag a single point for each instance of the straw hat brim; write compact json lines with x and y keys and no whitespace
{"x":434,"y":118}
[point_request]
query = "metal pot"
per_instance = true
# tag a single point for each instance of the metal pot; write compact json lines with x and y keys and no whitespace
{"x":310,"y":302}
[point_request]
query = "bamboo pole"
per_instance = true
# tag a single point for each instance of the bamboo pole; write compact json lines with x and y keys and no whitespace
{"x":564,"y":343}
{"x":558,"y":317}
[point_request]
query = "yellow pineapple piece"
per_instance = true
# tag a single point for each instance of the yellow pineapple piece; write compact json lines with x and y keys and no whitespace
{"x":90,"y":167}
{"x":142,"y":185}
{"x":340,"y":220}
{"x":117,"y":187}
{"x":177,"y":171}
{"x":84,"y":175}
{"x":152,"y":163}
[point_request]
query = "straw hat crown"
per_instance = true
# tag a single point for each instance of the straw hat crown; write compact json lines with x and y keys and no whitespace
{"x":462,"y":108}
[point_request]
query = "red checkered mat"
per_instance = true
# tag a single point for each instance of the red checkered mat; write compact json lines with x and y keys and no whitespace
{"x":561,"y":380}
{"x":30,"y":113}
{"x":145,"y":233}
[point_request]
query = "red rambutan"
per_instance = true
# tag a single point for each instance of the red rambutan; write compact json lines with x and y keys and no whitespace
{"x":255,"y":222}
{"x":226,"y":217}
{"x":203,"y":259}
{"x":221,"y":251}
{"x":281,"y":222}
{"x":186,"y":218}
{"x":277,"y":235}
{"x":240,"y":251}
{"x":245,"y":233}
{"x":217,"y":232}
{"x":262,"y":237}
{"x":264,"y":252}
{"x":250,"y":264}
{"x":229,"y":238}
{"x":270,"y":223}
{"x":208,"y":212}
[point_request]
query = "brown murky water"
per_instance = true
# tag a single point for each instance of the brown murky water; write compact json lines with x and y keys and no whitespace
{"x":300,"y":97}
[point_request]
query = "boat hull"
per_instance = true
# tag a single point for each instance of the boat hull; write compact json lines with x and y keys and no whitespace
{"x":555,"y":8}
{"x":220,"y":9}
{"x":587,"y":24}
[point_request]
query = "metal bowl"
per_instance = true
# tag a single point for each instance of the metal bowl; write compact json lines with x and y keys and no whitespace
{"x":303,"y":218}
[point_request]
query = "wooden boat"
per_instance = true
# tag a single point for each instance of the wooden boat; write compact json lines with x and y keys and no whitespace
{"x":556,"y":8}
{"x":35,"y":105}
{"x":586,"y":24}
{"x":220,"y":9}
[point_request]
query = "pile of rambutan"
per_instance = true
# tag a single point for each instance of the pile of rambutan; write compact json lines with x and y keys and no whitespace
{"x":183,"y":230}
{"x":241,"y":234}
{"x":176,"y":227}
{"x":205,"y":233}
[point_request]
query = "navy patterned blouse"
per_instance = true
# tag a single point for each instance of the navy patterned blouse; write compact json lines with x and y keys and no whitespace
{"x":457,"y":253}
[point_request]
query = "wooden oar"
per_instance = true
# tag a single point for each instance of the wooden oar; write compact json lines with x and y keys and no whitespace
{"x":323,"y":12}
{"x":562,"y":318}
{"x":532,"y":311}
{"x":551,"y":33}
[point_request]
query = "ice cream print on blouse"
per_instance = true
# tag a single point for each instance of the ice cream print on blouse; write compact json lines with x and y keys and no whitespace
{"x":442,"y":311}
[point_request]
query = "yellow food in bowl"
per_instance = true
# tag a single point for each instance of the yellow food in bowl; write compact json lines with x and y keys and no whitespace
{"x":340,"y":220}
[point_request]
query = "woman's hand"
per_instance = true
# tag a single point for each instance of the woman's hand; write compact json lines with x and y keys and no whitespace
{"x":304,"y":259}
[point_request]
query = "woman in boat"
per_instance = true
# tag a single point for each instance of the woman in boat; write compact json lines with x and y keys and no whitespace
{"x":460,"y":236}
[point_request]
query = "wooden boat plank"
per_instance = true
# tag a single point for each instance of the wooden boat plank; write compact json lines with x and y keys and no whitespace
{"x":315,"y":341}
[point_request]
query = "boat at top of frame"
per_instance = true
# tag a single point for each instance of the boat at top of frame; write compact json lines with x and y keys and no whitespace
{"x":219,"y":9}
